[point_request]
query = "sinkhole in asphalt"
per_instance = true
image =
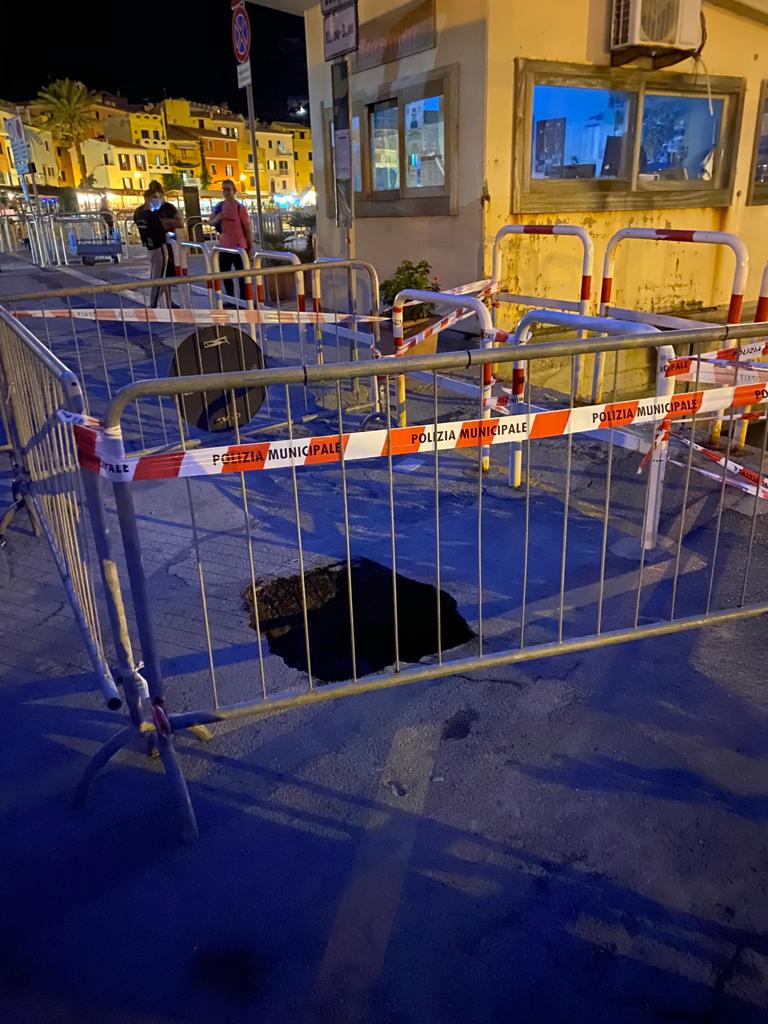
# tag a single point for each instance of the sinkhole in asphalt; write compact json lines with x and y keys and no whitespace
{"x":281,"y":618}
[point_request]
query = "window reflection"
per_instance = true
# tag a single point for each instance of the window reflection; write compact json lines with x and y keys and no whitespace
{"x":679,"y":138}
{"x":761,"y":163}
{"x":425,"y":143}
{"x":385,"y":147}
{"x":579,"y":132}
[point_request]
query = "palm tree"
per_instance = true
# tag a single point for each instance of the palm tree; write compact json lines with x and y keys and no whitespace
{"x":65,"y":107}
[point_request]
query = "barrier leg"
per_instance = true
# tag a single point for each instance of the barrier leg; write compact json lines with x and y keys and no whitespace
{"x":102,"y":757}
{"x":658,"y":466}
{"x":488,"y":343}
{"x":164,"y":737}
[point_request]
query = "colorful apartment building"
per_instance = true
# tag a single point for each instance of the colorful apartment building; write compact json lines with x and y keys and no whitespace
{"x":220,"y":158}
{"x":117,"y":165}
{"x":185,"y":153}
{"x":276,"y":164}
{"x":142,"y":126}
{"x":303,"y":166}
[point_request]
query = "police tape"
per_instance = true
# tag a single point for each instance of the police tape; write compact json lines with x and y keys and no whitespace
{"x":723,"y":372}
{"x":742,"y":473}
{"x":198,"y":316}
{"x":454,"y":317}
{"x":685,"y":364}
{"x":102,"y":452}
{"x":484,"y":289}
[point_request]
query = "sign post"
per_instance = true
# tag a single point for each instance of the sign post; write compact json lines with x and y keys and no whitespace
{"x":20,"y":150}
{"x":241,"y":44}
{"x":340,"y":39}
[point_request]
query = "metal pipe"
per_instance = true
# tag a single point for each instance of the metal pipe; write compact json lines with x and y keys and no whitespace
{"x":461,"y":666}
{"x":439,"y":299}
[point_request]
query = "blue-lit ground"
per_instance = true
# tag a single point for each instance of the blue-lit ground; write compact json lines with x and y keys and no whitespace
{"x":576,"y":839}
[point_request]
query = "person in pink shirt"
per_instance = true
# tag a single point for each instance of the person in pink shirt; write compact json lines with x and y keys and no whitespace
{"x":231,"y":220}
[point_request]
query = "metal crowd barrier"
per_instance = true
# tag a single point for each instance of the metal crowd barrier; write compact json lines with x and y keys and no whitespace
{"x":323,"y":498}
{"x":110,"y":335}
{"x":36,"y":388}
{"x":738,"y":287}
{"x":521,"y":593}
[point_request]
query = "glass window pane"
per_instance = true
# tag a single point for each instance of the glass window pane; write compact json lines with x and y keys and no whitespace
{"x":579,"y":132}
{"x":425,"y":143}
{"x":761,"y":163}
{"x":679,"y":138}
{"x":357,"y":166}
{"x":385,"y":148}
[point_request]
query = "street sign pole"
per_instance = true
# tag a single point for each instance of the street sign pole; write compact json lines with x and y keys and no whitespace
{"x":241,"y":44}
{"x":351,"y":249}
{"x":255,"y":152}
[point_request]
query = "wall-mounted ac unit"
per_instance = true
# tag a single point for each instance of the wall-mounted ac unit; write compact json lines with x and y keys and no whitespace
{"x":660,"y":29}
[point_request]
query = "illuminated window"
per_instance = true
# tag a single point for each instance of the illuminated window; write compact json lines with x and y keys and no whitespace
{"x":579,"y":133}
{"x":125,"y":161}
{"x":141,"y":162}
{"x":598,"y":138}
{"x":228,"y":170}
{"x":758,"y":186}
{"x":679,"y":137}
{"x":404,"y":149}
{"x":425,"y":143}
{"x":384,"y":131}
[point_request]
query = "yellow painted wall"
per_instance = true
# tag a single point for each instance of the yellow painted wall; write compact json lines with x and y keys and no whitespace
{"x":302,"y":153}
{"x":649,"y":275}
{"x":484,"y":39}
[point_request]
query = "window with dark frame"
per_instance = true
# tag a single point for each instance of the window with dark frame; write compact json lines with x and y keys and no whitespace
{"x":403,"y":149}
{"x":590,"y":138}
{"x":758,"y":179}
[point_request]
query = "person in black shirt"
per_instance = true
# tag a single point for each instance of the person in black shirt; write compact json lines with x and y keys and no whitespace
{"x":154,"y":219}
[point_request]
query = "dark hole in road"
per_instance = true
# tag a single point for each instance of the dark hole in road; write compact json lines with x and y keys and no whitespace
{"x":231,"y":972}
{"x":281,"y":619}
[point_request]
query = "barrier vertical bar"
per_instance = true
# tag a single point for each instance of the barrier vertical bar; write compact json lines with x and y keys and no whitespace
{"x":585,"y":284}
{"x":658,"y":464}
{"x":671,"y":235}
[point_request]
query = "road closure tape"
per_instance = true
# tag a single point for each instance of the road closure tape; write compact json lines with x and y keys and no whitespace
{"x":103,"y":453}
{"x":199,"y":316}
{"x":747,"y":476}
{"x":687,"y":367}
{"x":462,"y":313}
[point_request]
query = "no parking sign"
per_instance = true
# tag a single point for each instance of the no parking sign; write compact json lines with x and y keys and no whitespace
{"x":241,"y":32}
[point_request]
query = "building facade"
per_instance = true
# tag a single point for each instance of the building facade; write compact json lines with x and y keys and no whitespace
{"x":117,"y":165}
{"x":220,"y":158}
{"x":303,"y":167}
{"x":276,"y":163}
{"x":469,"y":117}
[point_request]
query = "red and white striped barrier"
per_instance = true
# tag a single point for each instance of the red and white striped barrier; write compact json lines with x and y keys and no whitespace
{"x":580,"y":306}
{"x":103,"y":453}
{"x":733,"y":242}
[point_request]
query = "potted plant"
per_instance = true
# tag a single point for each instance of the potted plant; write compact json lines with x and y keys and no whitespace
{"x":409,"y":275}
{"x":280,"y":286}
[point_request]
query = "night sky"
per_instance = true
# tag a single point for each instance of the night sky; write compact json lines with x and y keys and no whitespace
{"x":159,"y":50}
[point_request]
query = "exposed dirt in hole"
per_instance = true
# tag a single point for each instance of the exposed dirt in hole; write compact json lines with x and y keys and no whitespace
{"x":281,"y":618}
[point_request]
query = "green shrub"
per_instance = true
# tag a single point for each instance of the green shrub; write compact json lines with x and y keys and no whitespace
{"x":410,"y":275}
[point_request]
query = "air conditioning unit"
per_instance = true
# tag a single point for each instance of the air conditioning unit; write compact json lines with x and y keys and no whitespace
{"x":654,"y":27}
